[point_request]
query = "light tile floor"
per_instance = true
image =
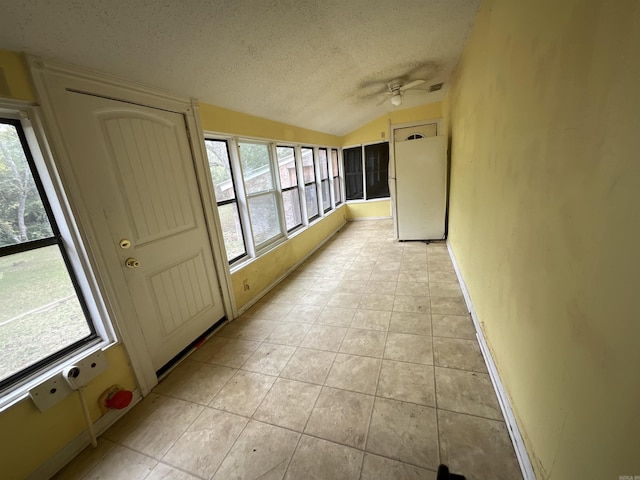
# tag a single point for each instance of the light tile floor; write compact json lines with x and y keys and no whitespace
{"x":363,"y":364}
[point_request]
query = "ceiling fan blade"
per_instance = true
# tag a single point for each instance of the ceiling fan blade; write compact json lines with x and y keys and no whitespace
{"x":409,"y":85}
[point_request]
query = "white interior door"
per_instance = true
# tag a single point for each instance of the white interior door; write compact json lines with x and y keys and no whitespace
{"x":420,"y":202}
{"x":136,"y":172}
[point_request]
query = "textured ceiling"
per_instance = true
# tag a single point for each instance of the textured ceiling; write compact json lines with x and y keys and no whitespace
{"x":316,"y":64}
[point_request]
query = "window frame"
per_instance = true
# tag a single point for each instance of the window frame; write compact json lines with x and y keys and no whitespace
{"x":336,"y":176}
{"x":314,"y":182}
{"x":257,"y":248}
{"x":365,"y":196}
{"x":296,"y":187}
{"x":327,"y":179}
{"x":69,"y":240}
{"x":234,"y":200}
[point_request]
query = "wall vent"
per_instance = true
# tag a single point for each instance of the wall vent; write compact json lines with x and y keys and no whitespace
{"x":436,"y":87}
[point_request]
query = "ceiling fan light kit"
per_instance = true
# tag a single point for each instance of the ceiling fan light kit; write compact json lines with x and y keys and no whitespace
{"x":396,"y":99}
{"x":396,"y":88}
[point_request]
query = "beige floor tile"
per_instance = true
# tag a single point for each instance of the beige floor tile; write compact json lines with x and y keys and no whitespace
{"x":279,"y":296}
{"x":446,"y":276}
{"x":477,"y":446}
{"x":386,"y":266}
{"x":349,"y":286}
{"x":324,"y":285}
{"x":134,"y":417}
{"x":394,"y":255}
{"x":324,"y":337}
{"x":411,"y":276}
{"x":409,"y":348}
{"x":248,"y":329}
{"x":84,"y":462}
{"x":317,"y":459}
{"x":453,"y":326}
{"x":203,"y":446}
{"x":458,"y":353}
{"x":157,"y":432}
{"x":205,"y":351}
{"x":412,"y":304}
{"x":268,"y":311}
{"x":347,"y":300}
{"x":336,"y":316}
{"x":303,"y":314}
{"x":197,"y":386}
{"x":414,"y":323}
{"x":288,"y":334}
{"x":449,"y":306}
{"x":467,"y":392}
{"x":376,"y":301}
{"x":269,"y":359}
{"x":318,"y":299}
{"x":442,"y":289}
{"x":380,"y":468}
{"x":166,"y":472}
{"x":383,"y":277}
{"x":120,"y":462}
{"x":351,"y":372}
{"x":243,"y":393}
{"x":288,"y":404}
{"x":233,"y":353}
{"x":439,"y":263}
{"x":377,"y":287}
{"x":405,"y":432}
{"x":261,"y":451}
{"x":307,"y":365}
{"x":409,"y":382}
{"x":371,"y":319}
{"x":360,"y":276}
{"x":413,"y":266}
{"x":341,"y":416}
{"x":369,"y":343}
{"x":416,"y":289}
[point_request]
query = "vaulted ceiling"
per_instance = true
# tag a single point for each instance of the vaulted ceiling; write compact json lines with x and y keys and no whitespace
{"x":318,"y":64}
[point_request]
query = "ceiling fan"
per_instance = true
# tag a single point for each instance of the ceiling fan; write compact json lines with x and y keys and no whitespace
{"x":396,"y":89}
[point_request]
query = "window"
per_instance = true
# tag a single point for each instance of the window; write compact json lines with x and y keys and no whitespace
{"x":324,"y":179}
{"x":377,"y":170}
{"x":226,"y":198}
{"x":289,"y":185}
{"x":337,"y":191}
{"x":310,"y":187}
{"x":257,"y":173}
{"x":368,"y":179}
{"x":353,"y":173}
{"x":43,"y":315}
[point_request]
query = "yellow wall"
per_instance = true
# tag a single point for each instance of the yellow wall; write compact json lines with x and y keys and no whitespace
{"x":221,"y":120}
{"x":29,"y":438}
{"x":263,"y":271}
{"x":15,"y":72}
{"x":545,"y":221}
{"x":369,"y":209}
{"x":372,"y":131}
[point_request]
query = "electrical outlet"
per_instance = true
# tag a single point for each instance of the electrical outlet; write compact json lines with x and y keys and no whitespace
{"x":78,"y":375}
{"x":50,"y":392}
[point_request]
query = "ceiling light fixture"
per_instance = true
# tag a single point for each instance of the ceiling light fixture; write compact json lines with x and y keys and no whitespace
{"x":396,"y":99}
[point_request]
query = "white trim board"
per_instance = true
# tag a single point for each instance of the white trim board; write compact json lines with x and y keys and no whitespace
{"x":503,"y":399}
{"x":72,"y":449}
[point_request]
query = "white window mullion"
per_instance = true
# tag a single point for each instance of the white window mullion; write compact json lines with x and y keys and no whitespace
{"x":241,"y":193}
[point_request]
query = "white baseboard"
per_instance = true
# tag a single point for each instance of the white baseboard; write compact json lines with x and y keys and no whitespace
{"x":273,"y":284}
{"x":78,"y":444}
{"x":364,"y":219}
{"x":503,"y":399}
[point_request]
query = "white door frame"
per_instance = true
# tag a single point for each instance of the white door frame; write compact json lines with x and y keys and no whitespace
{"x":53,"y":79}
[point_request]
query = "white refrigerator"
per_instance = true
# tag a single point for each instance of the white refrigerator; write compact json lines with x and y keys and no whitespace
{"x":418,"y":187}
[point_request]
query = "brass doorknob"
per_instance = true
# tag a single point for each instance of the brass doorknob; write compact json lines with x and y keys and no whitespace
{"x":132,"y":263}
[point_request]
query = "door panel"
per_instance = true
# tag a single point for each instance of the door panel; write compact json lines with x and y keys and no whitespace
{"x":421,"y":188}
{"x":137,"y":177}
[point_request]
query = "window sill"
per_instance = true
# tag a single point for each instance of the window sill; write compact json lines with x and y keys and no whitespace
{"x":19,"y":392}
{"x":382,"y":199}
